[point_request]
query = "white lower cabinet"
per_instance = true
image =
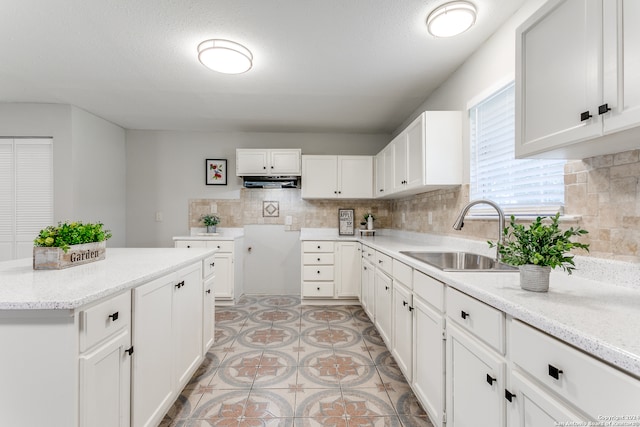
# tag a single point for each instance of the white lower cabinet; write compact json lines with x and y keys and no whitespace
{"x":105,"y":383}
{"x":367,"y":298}
{"x":475,"y":382}
{"x":402,"y":326}
{"x":347,"y":270}
{"x":208,"y":314}
{"x":331,"y":270}
{"x":383,"y":305}
{"x":167,"y":329}
{"x":530,"y":406}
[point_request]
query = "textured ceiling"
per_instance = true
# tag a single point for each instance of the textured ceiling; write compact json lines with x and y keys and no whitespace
{"x":319,"y":65}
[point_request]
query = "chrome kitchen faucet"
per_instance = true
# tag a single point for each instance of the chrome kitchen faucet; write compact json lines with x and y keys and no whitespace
{"x":460,"y":221}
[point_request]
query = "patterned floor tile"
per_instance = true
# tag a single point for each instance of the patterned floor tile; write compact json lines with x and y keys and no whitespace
{"x":278,"y":363}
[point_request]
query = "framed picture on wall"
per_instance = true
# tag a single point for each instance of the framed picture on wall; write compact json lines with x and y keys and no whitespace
{"x":216,"y":172}
{"x":345,"y":219}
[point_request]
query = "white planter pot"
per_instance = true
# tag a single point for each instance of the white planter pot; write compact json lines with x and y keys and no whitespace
{"x":370,"y":223}
{"x":534,"y":277}
{"x":211,"y":228}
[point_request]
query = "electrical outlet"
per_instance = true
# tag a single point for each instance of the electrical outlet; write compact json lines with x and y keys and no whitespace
{"x":430,"y":217}
{"x":159,"y":217}
{"x":288,"y":220}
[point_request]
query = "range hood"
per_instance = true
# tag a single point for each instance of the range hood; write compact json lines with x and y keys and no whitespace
{"x":270,"y":181}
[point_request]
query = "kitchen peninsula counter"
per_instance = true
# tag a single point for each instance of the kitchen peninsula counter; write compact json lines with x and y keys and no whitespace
{"x":23,"y":288}
{"x":595,"y":316}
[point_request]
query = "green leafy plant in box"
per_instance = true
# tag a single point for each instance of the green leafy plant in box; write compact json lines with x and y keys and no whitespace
{"x":66,"y":234}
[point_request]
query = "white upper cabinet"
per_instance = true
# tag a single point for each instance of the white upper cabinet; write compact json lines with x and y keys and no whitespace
{"x":330,"y":177}
{"x":571,"y":61}
{"x":260,"y":162}
{"x":425,"y":156}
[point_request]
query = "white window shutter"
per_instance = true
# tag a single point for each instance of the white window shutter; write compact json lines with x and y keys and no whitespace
{"x":7,"y":202}
{"x":519,"y":186}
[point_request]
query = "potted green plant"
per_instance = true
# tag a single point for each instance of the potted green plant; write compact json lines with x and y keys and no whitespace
{"x":369,"y":218}
{"x":68,"y":244}
{"x":210,"y":221}
{"x":539,"y":248}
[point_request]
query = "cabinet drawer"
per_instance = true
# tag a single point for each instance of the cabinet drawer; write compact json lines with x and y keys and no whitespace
{"x":317,"y":246}
{"x":221,"y":245}
{"x":368,"y":253}
{"x":403,"y":273}
{"x":319,"y":272}
{"x":104,"y":319}
{"x":190,"y":244}
{"x":317,"y":289}
{"x":429,"y":289}
{"x":581,"y":379}
{"x":318,"y":259}
{"x":384,"y":263}
{"x":486,"y":322}
{"x":208,"y":266}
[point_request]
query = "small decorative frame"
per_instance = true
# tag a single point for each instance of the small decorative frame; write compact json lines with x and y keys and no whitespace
{"x":345,"y":220}
{"x":216,"y":172}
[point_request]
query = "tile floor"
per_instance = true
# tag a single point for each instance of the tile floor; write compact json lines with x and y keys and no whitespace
{"x":278,"y":363}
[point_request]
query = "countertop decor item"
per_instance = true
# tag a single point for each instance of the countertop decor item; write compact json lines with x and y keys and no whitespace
{"x":216,"y":171}
{"x":539,"y":248}
{"x":210,"y":221}
{"x":369,"y":218}
{"x":69,"y":244}
{"x":345,"y":221}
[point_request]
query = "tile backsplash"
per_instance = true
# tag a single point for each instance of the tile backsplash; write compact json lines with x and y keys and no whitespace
{"x":603,"y":193}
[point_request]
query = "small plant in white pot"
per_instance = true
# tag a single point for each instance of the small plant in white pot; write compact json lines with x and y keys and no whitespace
{"x":539,"y":248}
{"x":369,"y":218}
{"x":210,"y":221}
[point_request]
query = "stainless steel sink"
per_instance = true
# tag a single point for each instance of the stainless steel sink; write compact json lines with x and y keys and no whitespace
{"x":460,"y":261}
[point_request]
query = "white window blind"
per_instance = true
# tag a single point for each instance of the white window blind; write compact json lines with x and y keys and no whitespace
{"x":529,"y":186}
{"x":26,"y":193}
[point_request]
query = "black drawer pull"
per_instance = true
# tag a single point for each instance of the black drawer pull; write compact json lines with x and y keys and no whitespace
{"x":554,"y":372}
{"x":318,"y":287}
{"x":129,"y":351}
{"x":508,"y":395}
{"x":410,"y":308}
{"x":585,"y":116}
{"x":404,"y":303}
{"x":490,"y":379}
{"x":602,"y":109}
{"x":208,"y":291}
{"x":464,"y":314}
{"x":318,"y":246}
{"x":318,"y":259}
{"x":379,"y":261}
{"x":318,"y":271}
{"x":213,"y":264}
{"x":386,"y":288}
{"x":180,"y":284}
{"x":113,"y":316}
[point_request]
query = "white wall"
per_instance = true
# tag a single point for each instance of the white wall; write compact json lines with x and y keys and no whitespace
{"x":88,"y":161}
{"x":493,"y":62}
{"x":165,"y":169}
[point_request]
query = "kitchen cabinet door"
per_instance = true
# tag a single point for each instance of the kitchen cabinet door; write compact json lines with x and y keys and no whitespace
{"x":260,"y":162}
{"x":208,"y":314}
{"x":251,"y":162}
{"x":383,"y":305}
{"x":399,"y":162}
{"x":105,"y":383}
{"x":368,"y":289}
{"x":284,"y":162}
{"x":153,"y":380}
{"x":379,"y":190}
{"x":347,"y":274}
{"x":355,"y":177}
{"x":428,"y":359}
{"x":187,"y":324}
{"x":475,"y":382}
{"x":530,"y":406}
{"x":319,"y":177}
{"x":558,"y":63}
{"x":224,"y":281}
{"x":402,"y":335}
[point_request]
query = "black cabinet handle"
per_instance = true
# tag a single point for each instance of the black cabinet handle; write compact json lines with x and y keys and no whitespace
{"x":379,"y":261}
{"x":318,"y":259}
{"x":339,"y":192}
{"x":318,"y":271}
{"x":381,"y":190}
{"x":464,"y":314}
{"x":410,"y":308}
{"x":264,"y":167}
{"x":386,"y":288}
{"x":208,"y":291}
{"x":129,"y":351}
{"x":554,"y":372}
{"x":508,"y":395}
{"x":318,"y":246}
{"x":404,"y":303}
{"x":365,"y":267}
{"x":318,"y":287}
{"x":113,"y":316}
{"x":188,"y":246}
{"x":490,"y":379}
{"x":271,"y":167}
{"x":218,"y":246}
{"x":602,"y":109}
{"x":585,"y":116}
{"x":180,"y":284}
{"x":212,"y":264}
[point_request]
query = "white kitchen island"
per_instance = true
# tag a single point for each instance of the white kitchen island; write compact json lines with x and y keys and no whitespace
{"x":109,"y":343}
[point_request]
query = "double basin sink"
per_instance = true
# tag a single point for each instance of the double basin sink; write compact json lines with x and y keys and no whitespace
{"x":460,"y":261}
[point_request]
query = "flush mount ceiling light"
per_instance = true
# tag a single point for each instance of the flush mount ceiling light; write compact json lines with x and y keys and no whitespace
{"x":225,"y":56}
{"x":451,"y":19}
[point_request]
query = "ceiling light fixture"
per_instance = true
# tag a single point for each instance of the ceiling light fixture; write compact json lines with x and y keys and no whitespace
{"x":225,"y":56}
{"x":451,"y":19}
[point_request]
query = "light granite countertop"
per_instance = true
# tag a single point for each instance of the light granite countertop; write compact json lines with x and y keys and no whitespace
{"x":23,"y":288}
{"x":596,"y":316}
